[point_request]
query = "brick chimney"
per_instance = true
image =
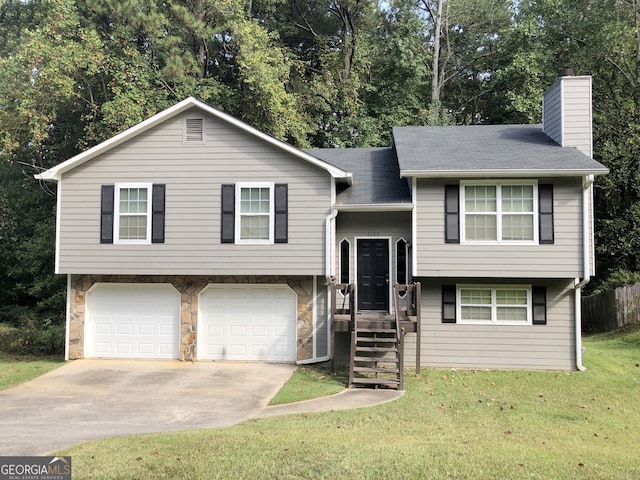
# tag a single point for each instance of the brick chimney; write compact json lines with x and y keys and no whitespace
{"x":566,"y":112}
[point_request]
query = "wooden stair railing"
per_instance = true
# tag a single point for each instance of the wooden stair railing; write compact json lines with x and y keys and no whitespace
{"x":341,"y":307}
{"x":407,"y":309}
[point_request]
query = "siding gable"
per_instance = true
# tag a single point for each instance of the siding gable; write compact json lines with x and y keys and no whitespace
{"x":194,"y":175}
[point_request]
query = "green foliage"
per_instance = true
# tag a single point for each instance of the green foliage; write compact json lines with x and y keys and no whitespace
{"x":335,"y":74}
{"x":29,"y":335}
{"x":617,"y":278}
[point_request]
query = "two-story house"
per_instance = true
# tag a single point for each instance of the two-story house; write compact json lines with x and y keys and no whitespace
{"x":194,"y":236}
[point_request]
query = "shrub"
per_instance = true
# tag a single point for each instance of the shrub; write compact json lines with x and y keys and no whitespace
{"x":617,"y":278}
{"x":29,"y":335}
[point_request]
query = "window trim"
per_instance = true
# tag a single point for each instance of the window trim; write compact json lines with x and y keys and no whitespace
{"x":116,"y":213}
{"x":494,"y":288}
{"x":341,"y":258}
{"x":407,"y":264}
{"x":499,"y":214}
{"x":238,"y":213}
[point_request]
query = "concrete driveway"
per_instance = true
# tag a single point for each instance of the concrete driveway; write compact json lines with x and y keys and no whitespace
{"x":89,"y":399}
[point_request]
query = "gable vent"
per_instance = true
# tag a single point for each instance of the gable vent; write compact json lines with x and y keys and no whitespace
{"x":194,"y":130}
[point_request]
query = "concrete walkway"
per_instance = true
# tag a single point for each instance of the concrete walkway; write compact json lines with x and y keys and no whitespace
{"x":347,"y":399}
{"x":91,"y":399}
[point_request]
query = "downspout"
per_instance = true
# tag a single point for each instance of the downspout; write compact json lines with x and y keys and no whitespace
{"x":329,"y":274}
{"x":587,"y":185}
{"x":67,"y":326}
{"x":329,"y":268}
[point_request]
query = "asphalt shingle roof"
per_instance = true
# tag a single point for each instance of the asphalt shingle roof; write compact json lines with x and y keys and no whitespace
{"x":485,"y":147}
{"x":376,"y":177}
{"x":450,"y":151}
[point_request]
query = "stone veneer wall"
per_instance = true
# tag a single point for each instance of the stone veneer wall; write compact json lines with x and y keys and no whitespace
{"x":189,"y":288}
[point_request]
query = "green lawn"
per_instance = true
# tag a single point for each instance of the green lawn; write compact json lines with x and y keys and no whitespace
{"x":311,"y":382}
{"x":15,"y":370}
{"x":461,"y":424}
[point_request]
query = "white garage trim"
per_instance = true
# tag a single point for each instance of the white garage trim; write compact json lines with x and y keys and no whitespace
{"x":255,"y":322}
{"x":132,"y":320}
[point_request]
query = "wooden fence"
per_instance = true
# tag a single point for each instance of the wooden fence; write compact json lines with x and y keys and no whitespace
{"x":612,"y":309}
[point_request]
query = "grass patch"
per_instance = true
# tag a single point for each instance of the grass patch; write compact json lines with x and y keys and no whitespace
{"x":310,"y":382}
{"x":463,"y":424}
{"x":17,"y":369}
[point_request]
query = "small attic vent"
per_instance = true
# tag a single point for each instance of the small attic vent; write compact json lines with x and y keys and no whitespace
{"x":194,"y":130}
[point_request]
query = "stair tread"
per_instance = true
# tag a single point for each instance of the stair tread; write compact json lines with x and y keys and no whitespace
{"x":376,"y":349}
{"x":376,"y":359}
{"x":394,"y":371}
{"x":378,"y":339}
{"x":376,"y":330}
{"x":374,"y":381}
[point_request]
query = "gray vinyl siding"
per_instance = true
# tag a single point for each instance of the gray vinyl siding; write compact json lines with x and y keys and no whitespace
{"x":193,"y":174}
{"x":567,"y":113}
{"x":435,"y":258}
{"x":352,"y":225}
{"x":550,"y":346}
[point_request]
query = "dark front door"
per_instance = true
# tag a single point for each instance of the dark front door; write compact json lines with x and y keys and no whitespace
{"x":373,"y":274}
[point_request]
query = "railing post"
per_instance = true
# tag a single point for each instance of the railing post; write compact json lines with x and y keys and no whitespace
{"x":353,"y":332}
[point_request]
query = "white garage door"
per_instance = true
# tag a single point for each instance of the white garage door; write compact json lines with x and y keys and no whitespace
{"x":247,"y":322}
{"x":132,"y":321}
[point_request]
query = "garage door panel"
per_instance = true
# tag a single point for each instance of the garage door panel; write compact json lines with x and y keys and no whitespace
{"x":237,"y":331}
{"x":124,"y":329}
{"x":132,"y":321}
{"x":260,"y":331}
{"x":124,"y":348}
{"x":247,"y":322}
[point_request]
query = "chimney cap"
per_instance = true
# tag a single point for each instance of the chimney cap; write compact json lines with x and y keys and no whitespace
{"x":566,"y":72}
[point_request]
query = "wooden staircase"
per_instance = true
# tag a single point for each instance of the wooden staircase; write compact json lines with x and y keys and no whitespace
{"x":376,"y":353}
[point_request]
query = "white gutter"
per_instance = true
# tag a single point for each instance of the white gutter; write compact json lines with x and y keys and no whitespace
{"x":502,"y":172}
{"x":67,"y":327}
{"x":414,"y":228}
{"x":329,"y":273}
{"x":587,"y":189}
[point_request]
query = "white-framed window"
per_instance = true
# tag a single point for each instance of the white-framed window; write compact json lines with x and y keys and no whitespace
{"x":403,"y":259}
{"x":194,"y":130}
{"x":499,"y":212}
{"x":494,"y":304}
{"x":132,"y":219}
{"x":254,"y":213}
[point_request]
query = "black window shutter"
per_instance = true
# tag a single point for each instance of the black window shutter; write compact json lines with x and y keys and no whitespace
{"x":545,"y":215}
{"x":281,"y":220}
{"x":452,"y":213}
{"x":228,"y":213}
{"x":448,"y":304}
{"x":539,"y":305}
{"x":157,"y":213}
{"x":106,"y":214}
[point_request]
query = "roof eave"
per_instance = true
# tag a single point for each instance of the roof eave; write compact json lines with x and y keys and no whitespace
{"x":556,"y":172}
{"x":55,"y":173}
